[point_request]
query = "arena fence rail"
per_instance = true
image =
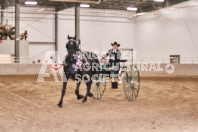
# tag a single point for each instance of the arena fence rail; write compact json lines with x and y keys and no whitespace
{"x":32,"y":66}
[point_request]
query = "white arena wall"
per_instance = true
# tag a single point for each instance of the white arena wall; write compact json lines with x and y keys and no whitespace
{"x":155,"y":36}
{"x":170,"y":31}
{"x":98,"y":28}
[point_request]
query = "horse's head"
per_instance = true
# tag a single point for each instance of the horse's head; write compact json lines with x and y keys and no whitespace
{"x":72,"y":46}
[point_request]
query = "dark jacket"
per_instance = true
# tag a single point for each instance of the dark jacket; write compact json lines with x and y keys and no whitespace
{"x":114,"y":60}
{"x":115,"y":55}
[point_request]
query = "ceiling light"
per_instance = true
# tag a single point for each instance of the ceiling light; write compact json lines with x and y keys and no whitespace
{"x":159,"y":0}
{"x":131,"y":8}
{"x":31,"y":2}
{"x":84,"y":5}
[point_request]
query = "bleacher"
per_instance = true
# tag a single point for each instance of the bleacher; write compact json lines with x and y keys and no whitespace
{"x":6,"y":59}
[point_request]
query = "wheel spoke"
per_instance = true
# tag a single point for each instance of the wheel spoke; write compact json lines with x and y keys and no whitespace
{"x":134,"y":74}
{"x":94,"y":89}
{"x":131,"y":83}
{"x":100,"y":91}
{"x":127,"y":87}
{"x":97,"y":93}
{"x":102,"y":84}
{"x":136,"y":77}
{"x":102,"y":88}
{"x":131,"y":94}
{"x":135,"y":89}
{"x":134,"y":95}
{"x":99,"y":87}
{"x":136,"y":84}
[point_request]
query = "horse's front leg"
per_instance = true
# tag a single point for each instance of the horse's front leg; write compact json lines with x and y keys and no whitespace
{"x":79,"y":96}
{"x":62,"y":95}
{"x":88,"y":92}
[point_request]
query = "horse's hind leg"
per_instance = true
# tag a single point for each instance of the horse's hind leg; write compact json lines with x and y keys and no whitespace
{"x":62,"y":95}
{"x":88,"y":92}
{"x":77,"y":91}
{"x":89,"y":89}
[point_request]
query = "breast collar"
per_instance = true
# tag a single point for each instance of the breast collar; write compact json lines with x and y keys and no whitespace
{"x":79,"y":62}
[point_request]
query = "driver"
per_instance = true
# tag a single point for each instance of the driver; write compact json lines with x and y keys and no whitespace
{"x":114,"y":57}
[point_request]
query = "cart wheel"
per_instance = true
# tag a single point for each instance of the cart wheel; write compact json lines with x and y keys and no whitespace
{"x":98,"y":87}
{"x":11,"y":33}
{"x":131,"y":82}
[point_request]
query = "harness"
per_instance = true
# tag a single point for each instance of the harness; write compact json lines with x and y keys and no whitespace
{"x":79,"y":62}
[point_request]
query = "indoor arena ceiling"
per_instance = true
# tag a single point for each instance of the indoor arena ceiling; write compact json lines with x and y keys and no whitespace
{"x":142,"y":5}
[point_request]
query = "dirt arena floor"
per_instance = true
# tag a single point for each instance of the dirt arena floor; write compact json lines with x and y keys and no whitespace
{"x":164,"y":104}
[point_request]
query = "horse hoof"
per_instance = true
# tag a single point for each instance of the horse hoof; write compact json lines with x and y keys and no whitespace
{"x":59,"y":105}
{"x":84,"y":101}
{"x":90,"y":95}
{"x":80,"y":97}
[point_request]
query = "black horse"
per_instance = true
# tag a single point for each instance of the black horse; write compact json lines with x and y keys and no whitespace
{"x":79,"y":66}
